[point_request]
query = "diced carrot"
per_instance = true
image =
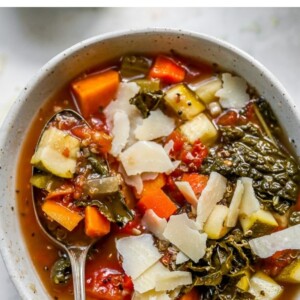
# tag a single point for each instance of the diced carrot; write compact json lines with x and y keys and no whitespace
{"x":96,"y":225}
{"x":197,"y":181}
{"x":61,"y":214}
{"x":157,"y":183}
{"x":191,"y":295}
{"x":61,"y":192}
{"x":159,"y":202}
{"x":167,"y":70}
{"x":95,"y":91}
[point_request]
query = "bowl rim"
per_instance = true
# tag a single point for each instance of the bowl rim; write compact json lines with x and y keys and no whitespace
{"x":57,"y":59}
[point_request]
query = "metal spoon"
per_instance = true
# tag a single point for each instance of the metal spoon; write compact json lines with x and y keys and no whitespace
{"x":76,"y":248}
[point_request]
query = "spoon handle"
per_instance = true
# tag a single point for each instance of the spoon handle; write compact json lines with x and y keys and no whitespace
{"x":78,"y":257}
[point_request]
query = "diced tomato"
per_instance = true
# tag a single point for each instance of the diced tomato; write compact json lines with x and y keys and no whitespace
{"x":273,"y":265}
{"x":172,"y":190}
{"x":194,"y":158}
{"x":109,"y":284}
{"x":178,"y":140}
{"x":250,"y":113}
{"x":197,"y":181}
{"x":228,"y":118}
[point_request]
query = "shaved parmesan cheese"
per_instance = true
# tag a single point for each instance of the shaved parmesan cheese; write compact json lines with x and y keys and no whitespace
{"x":138,"y":253}
{"x":249,"y":202}
{"x":187,"y":191}
{"x":151,"y":295}
{"x":147,"y":281}
{"x":181,"y":258}
{"x":135,"y":181}
{"x":144,"y":156}
{"x":120,"y":132}
{"x":155,"y":126}
{"x":154,"y":223}
{"x":172,"y":280}
{"x":267,"y":245}
{"x":125,"y":92}
{"x":169,"y":146}
{"x":149,"y":176}
{"x":233,"y":92}
{"x":210,"y":196}
{"x":182,"y":232}
{"x":234,"y":210}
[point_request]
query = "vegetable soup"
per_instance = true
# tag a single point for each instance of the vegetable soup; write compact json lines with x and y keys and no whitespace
{"x":179,"y":168}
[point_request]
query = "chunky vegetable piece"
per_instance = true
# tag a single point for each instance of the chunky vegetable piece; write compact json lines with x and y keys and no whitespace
{"x":167,"y":70}
{"x":96,"y":225}
{"x":159,"y":202}
{"x":56,"y":153}
{"x":95,"y":91}
{"x":184,"y":102}
{"x":67,"y":218}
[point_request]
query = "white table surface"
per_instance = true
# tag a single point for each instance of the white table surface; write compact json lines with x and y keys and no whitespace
{"x":30,"y":37}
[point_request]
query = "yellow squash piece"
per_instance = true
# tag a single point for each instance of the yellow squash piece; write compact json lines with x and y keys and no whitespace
{"x":184,"y":102}
{"x":207,"y":90}
{"x":260,"y":223}
{"x":200,"y":128}
{"x":244,"y":282}
{"x":291,"y":273}
{"x":214,"y":226}
{"x":263,"y":287}
{"x":57,"y":153}
{"x":67,"y":218}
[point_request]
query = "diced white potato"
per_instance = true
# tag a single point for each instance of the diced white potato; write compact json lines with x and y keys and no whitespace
{"x":260,"y":222}
{"x":172,"y":280}
{"x":181,"y":258}
{"x":154,"y":223}
{"x":187,"y":191}
{"x":120,"y":132}
{"x":200,"y":128}
{"x":249,"y":202}
{"x":234,"y":210}
{"x":267,"y":245}
{"x":264,"y":287}
{"x":155,"y":126}
{"x":214,"y":226}
{"x":233,"y":92}
{"x":206,"y":90}
{"x":182,"y":232}
{"x":50,"y":155}
{"x":210,"y":196}
{"x":138,"y":254}
{"x":145,"y":156}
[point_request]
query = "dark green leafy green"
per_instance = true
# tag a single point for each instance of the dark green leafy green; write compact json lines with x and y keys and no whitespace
{"x":61,"y":271}
{"x":145,"y":102}
{"x":112,"y":206}
{"x":223,"y":265}
{"x":99,"y":164}
{"x":134,"y":66}
{"x":244,"y":151}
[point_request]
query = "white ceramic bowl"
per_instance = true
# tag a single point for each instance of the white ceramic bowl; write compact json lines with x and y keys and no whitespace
{"x":67,"y":65}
